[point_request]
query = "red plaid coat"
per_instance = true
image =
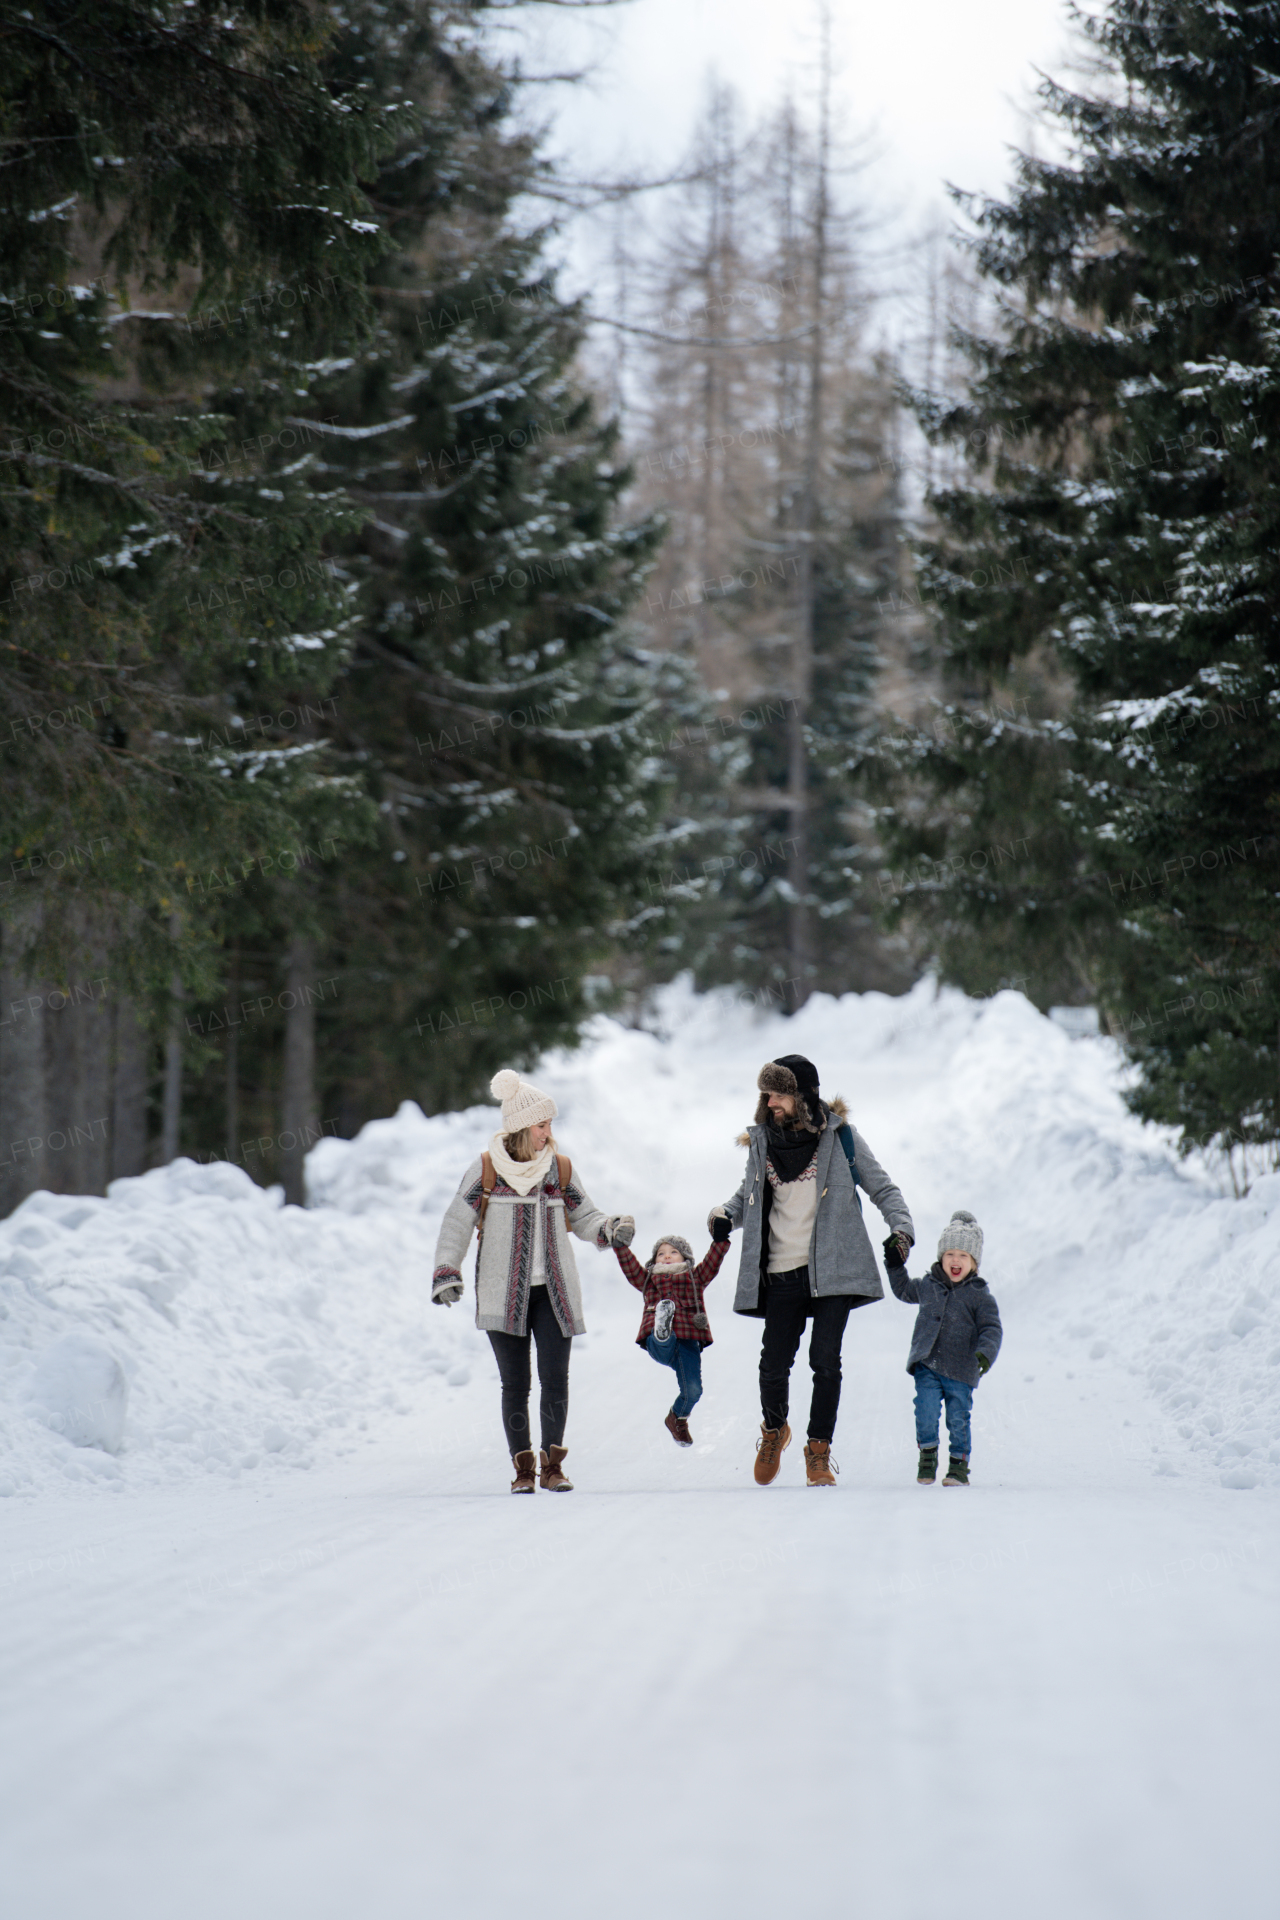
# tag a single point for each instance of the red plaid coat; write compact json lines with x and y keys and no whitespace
{"x":684,"y":1286}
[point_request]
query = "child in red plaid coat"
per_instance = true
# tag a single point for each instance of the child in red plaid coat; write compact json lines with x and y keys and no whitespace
{"x":674,"y":1327}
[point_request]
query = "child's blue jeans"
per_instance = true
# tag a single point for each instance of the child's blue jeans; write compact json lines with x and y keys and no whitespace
{"x":931,"y":1390}
{"x":686,"y":1357}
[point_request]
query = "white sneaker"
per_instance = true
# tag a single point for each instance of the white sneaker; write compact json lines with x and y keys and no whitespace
{"x":663,"y":1319}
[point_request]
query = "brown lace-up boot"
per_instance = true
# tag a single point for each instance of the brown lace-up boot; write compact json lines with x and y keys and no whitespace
{"x":678,"y":1428}
{"x":551,"y":1479}
{"x":770,"y":1447}
{"x":525,"y":1466}
{"x":818,"y":1464}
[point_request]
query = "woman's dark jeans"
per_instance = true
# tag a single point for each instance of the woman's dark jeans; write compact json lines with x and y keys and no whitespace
{"x":787,"y":1305}
{"x":511,"y":1351}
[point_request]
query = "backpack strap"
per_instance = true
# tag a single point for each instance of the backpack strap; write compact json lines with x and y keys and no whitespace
{"x":845,"y":1136}
{"x":564,"y":1171}
{"x":488,"y":1181}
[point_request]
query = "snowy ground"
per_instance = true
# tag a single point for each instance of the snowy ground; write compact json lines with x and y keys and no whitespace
{"x":278,"y":1642}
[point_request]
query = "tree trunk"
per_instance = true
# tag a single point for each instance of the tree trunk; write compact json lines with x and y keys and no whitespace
{"x":799,"y":931}
{"x":171,"y":1107}
{"x":77,"y":1086}
{"x":231,"y":1064}
{"x":299,"y":1122}
{"x":129,"y":1094}
{"x":23,"y":1126}
{"x":171,"y":1111}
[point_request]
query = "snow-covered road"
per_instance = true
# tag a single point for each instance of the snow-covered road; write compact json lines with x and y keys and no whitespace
{"x":370,"y":1685}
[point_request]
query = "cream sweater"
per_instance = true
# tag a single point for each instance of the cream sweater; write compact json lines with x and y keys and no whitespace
{"x":791,"y":1215}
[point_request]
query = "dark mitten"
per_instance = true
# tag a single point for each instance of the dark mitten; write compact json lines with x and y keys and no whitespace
{"x":894,"y":1252}
{"x":984,"y":1364}
{"x":720,"y":1228}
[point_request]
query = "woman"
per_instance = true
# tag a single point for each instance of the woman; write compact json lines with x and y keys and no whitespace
{"x":521,"y":1194}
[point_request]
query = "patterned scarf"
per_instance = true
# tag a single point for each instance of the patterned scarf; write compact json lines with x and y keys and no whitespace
{"x":790,"y":1150}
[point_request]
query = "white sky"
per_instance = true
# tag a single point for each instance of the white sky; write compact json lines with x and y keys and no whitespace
{"x":943,"y":85}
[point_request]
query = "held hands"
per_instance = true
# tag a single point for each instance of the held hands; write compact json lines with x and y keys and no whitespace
{"x":896,"y":1248}
{"x":620,"y":1230}
{"x":447,"y":1295}
{"x":720,"y":1228}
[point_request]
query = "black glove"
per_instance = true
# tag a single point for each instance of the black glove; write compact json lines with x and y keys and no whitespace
{"x":720,"y":1228}
{"x":894,"y":1252}
{"x":984,"y":1365}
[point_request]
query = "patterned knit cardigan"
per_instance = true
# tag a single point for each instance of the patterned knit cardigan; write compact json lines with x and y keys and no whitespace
{"x":506,"y":1248}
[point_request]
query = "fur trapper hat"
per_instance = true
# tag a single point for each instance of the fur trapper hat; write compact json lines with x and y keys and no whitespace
{"x":962,"y":1234}
{"x":523,"y":1104}
{"x":792,"y":1074}
{"x":676,"y":1240}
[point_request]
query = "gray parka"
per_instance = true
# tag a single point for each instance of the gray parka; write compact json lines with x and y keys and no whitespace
{"x":841,"y":1259}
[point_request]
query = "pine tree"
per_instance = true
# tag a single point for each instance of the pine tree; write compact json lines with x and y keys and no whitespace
{"x":1122,"y":537}
{"x":195,"y":171}
{"x":494,"y":710}
{"x":183,"y":210}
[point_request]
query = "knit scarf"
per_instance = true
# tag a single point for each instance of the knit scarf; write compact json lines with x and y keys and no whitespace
{"x":790,"y":1150}
{"x":521,"y":1175}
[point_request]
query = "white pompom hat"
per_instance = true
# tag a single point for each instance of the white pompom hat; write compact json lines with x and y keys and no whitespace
{"x":523,"y":1104}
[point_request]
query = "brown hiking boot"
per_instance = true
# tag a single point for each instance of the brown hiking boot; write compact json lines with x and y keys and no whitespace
{"x":525,"y":1466}
{"x":678,"y":1427}
{"x":770,"y":1447}
{"x":819,"y":1467}
{"x":551,"y":1480}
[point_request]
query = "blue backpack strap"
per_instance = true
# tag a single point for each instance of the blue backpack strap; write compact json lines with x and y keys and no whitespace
{"x":845,"y":1136}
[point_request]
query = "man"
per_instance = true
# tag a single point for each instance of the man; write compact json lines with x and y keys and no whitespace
{"x":805,"y":1250}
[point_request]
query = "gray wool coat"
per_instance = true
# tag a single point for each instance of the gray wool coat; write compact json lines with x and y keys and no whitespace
{"x":954,"y":1325}
{"x":841,"y":1259}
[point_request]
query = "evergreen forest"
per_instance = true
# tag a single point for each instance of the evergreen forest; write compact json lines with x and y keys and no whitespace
{"x":403,"y":658}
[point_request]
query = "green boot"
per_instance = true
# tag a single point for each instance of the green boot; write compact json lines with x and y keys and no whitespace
{"x":927,"y":1472}
{"x":957,"y":1473}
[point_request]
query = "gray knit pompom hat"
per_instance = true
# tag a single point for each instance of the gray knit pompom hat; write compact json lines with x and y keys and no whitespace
{"x":962,"y":1234}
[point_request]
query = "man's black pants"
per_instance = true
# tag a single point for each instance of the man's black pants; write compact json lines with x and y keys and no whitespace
{"x":787,"y":1305}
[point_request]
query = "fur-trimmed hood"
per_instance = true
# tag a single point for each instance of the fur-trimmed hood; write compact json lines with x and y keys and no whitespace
{"x":836,"y":1109}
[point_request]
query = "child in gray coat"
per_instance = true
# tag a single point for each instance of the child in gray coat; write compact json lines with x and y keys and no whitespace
{"x":956,"y":1339}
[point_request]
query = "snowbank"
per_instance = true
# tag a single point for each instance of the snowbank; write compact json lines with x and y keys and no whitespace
{"x":245,"y":1337}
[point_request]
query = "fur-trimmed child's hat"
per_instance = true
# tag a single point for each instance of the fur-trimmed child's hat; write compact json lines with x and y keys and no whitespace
{"x":790,"y":1073}
{"x":962,"y":1234}
{"x":523,"y":1104}
{"x":676,"y":1240}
